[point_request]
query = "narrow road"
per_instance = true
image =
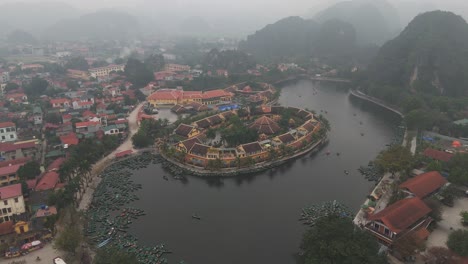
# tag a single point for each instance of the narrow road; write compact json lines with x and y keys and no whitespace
{"x":101,"y":164}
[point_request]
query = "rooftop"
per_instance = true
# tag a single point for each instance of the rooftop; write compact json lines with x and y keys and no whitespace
{"x":402,"y":214}
{"x":10,"y":191}
{"x":424,"y":184}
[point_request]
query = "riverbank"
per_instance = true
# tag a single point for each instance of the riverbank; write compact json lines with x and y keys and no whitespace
{"x":257,"y":168}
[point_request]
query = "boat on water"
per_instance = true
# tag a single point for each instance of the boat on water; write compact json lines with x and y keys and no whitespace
{"x":165,"y":178}
{"x":346,"y":172}
{"x":195,"y":216}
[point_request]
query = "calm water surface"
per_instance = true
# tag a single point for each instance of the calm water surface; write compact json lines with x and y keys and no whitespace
{"x":254,"y":219}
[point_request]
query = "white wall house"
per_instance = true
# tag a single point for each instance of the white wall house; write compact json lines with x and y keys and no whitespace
{"x":11,"y":202}
{"x":8,"y":132}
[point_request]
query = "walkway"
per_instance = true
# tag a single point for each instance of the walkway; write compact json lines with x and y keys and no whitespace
{"x":451,"y":220}
{"x":101,"y":164}
{"x":376,"y":101}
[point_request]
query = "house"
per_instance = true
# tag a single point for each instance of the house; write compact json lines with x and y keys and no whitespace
{"x":186,"y":145}
{"x":176,"y":67}
{"x":213,"y":97}
{"x":77,"y":74}
{"x":165,"y":97}
{"x":398,"y":219}
{"x":87,"y":127}
{"x":9,"y":174}
{"x":8,"y":131}
{"x":60,"y":103}
{"x":424,"y":185}
{"x":17,"y":98}
{"x":55,"y":165}
{"x":437,"y":155}
{"x":79,"y":105}
{"x":37,"y":115}
{"x":48,"y":181}
{"x":47,"y":211}
{"x":11,"y":201}
{"x":186,"y":131}
{"x":285,"y":139}
{"x":251,"y":149}
{"x":69,"y":140}
{"x":33,"y":67}
{"x":265,"y":125}
{"x":18,"y":150}
{"x":105,"y":71}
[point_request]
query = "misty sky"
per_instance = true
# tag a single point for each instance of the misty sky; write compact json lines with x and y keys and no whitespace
{"x":260,"y":11}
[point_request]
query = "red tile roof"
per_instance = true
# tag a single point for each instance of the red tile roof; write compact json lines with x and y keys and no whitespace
{"x":51,"y":210}
{"x":7,"y":170}
{"x":10,"y":191}
{"x":424,"y":184}
{"x":215,"y":94}
{"x":48,"y":181}
{"x":437,"y":154}
{"x":58,"y":101}
{"x":123,"y":153}
{"x":86,"y":124}
{"x":70,"y":139}
{"x":8,"y":146}
{"x":166,"y":95}
{"x":7,"y":124}
{"x":15,"y":161}
{"x":55,"y":165}
{"x":402,"y":214}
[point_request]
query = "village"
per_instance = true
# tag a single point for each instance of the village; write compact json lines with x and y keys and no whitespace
{"x":68,"y":115}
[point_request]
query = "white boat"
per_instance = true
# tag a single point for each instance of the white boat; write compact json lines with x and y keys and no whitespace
{"x":59,"y":261}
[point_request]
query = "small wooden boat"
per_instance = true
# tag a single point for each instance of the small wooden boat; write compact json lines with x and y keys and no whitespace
{"x":165,"y":178}
{"x":195,"y":216}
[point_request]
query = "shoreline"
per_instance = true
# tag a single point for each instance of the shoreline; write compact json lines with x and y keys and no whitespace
{"x":232,"y":172}
{"x":387,"y":179}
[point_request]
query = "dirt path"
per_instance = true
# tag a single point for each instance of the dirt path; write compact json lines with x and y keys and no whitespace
{"x":101,"y":164}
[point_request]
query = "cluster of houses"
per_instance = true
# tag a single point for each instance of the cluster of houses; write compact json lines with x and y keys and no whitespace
{"x":63,"y":119}
{"x":199,"y":154}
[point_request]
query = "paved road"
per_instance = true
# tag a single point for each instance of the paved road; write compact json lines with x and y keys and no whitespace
{"x":101,"y":164}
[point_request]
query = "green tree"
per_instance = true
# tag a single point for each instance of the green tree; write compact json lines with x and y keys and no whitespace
{"x":155,"y":62}
{"x":53,"y":118}
{"x":77,"y":63}
{"x":395,"y":159}
{"x":141,"y":140}
{"x":138,"y":73}
{"x":114,"y":256}
{"x":69,"y":239}
{"x":336,"y":240}
{"x":458,"y":242}
{"x":11,"y":86}
{"x":459,"y":169}
{"x":37,"y":87}
{"x":30,"y":170}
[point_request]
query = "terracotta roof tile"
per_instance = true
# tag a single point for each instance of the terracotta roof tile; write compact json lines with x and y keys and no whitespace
{"x":402,"y":214}
{"x":437,"y":154}
{"x":424,"y":184}
{"x":10,"y":191}
{"x":48,"y":181}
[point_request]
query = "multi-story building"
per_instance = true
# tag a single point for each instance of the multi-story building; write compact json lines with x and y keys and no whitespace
{"x":176,"y":67}
{"x":4,"y":76}
{"x":8,"y":174}
{"x":105,"y":71}
{"x":77,"y":74}
{"x":11,"y":202}
{"x":18,"y":150}
{"x":8,"y":131}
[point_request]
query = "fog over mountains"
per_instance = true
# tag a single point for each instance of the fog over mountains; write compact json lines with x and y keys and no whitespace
{"x":209,"y":17}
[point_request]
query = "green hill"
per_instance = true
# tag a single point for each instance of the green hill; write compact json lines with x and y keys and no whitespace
{"x":294,"y":38}
{"x":375,"y":21}
{"x":289,"y":37}
{"x":430,"y":57}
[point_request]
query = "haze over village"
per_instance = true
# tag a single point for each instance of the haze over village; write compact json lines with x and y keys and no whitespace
{"x":306,"y":132}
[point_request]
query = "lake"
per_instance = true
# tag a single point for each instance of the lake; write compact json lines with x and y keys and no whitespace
{"x":254,"y":219}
